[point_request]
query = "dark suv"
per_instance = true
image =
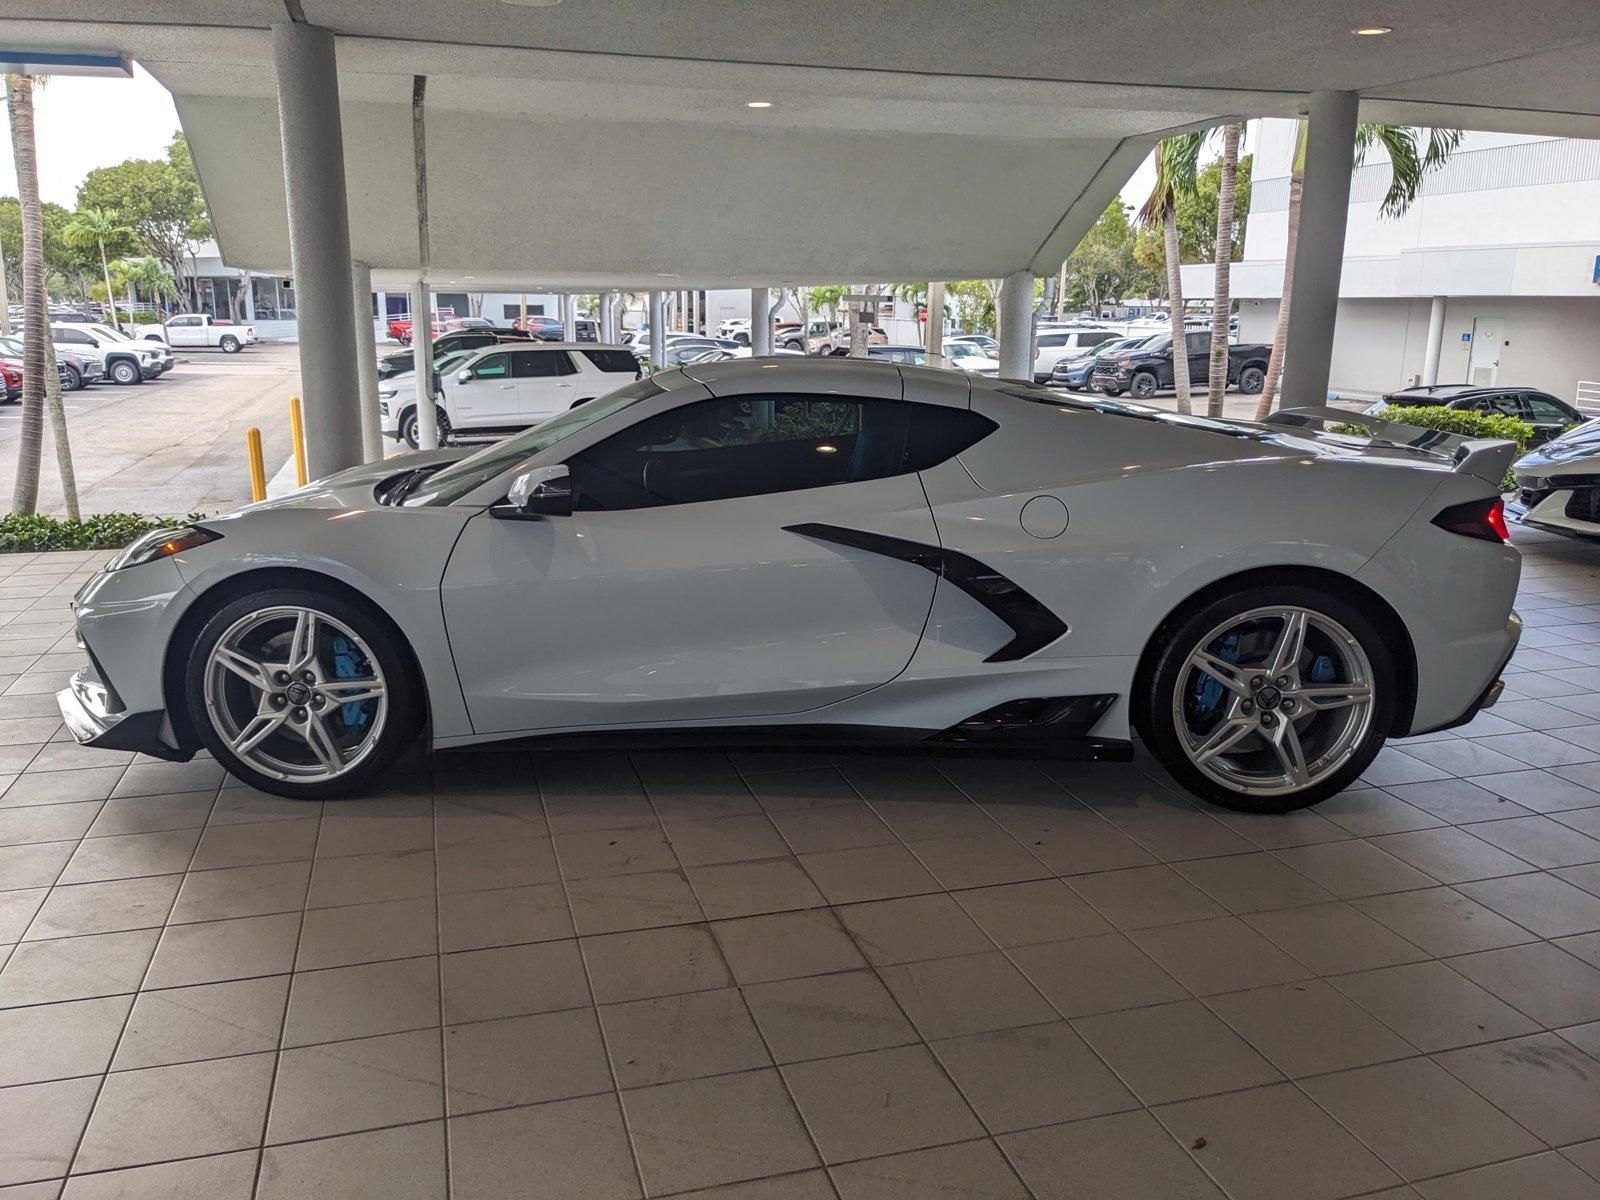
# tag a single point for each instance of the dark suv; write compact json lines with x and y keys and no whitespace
{"x":448,"y":343}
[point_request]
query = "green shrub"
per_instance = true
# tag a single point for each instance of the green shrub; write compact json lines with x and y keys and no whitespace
{"x":103,"y":531}
{"x":147,"y":318}
{"x":1456,"y":420}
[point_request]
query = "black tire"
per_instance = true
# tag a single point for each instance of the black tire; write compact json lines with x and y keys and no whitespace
{"x":1142,"y":386}
{"x":405,"y":692}
{"x":229,"y":344}
{"x":1251,"y":380}
{"x":1163,"y":670}
{"x":408,"y":427}
{"x":125,"y":371}
{"x":74,"y":378}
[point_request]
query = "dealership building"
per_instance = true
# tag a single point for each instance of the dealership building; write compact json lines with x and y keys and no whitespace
{"x":1491,"y":277}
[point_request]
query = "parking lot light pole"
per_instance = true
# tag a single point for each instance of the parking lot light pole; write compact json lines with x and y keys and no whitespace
{"x":1319,"y":249}
{"x":1016,"y":325}
{"x":658,"y":331}
{"x":319,"y":241}
{"x":761,"y":322}
{"x":367,"y":363}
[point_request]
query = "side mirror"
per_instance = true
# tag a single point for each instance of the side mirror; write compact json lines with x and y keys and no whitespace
{"x":541,"y":492}
{"x":464,"y":375}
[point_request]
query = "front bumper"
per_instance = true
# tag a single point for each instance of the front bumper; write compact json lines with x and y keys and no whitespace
{"x":1567,"y":505}
{"x":95,"y":716}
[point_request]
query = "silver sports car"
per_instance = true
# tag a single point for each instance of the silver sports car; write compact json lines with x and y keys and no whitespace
{"x":835,"y":552}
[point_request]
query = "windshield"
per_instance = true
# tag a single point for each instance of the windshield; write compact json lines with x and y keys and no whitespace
{"x":456,"y":480}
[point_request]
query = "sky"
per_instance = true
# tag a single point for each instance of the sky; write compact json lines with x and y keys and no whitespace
{"x":81,"y":124}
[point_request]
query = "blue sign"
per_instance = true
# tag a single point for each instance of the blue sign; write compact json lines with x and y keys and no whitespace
{"x":1595,"y":278}
{"x":1466,"y":337}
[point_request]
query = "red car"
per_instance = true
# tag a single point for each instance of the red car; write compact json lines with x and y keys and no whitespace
{"x":11,"y":375}
{"x":400,"y":327}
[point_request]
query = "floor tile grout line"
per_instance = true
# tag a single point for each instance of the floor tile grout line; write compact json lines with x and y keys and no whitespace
{"x":438,"y":962}
{"x":122,"y":1032}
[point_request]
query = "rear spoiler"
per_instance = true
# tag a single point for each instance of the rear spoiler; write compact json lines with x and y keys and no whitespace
{"x":1486,"y":458}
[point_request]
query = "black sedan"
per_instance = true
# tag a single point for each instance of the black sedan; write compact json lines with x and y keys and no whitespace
{"x":1548,"y":415}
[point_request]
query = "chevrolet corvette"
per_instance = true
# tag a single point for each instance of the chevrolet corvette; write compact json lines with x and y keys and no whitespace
{"x":839,"y":553}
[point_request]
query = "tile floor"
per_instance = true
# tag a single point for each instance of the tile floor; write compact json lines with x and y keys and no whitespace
{"x":760,"y":977}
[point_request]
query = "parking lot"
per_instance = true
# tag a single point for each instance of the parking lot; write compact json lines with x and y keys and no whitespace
{"x":173,"y":445}
{"x":610,"y":975}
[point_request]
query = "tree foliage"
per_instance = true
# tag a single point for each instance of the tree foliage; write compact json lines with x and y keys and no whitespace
{"x":159,"y":200}
{"x":1197,"y":213}
{"x":1103,"y":266}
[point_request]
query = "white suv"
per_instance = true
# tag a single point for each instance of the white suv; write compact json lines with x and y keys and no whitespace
{"x":1053,"y":345}
{"x":509,"y":386}
{"x":123,"y":362}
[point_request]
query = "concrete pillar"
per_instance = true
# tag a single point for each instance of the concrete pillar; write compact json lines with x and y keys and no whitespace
{"x":366,"y":363}
{"x":603,"y":317}
{"x":249,"y":286}
{"x":422,"y":357}
{"x":1016,"y":326}
{"x":569,"y":317}
{"x":1319,"y":248}
{"x":935,"y":335}
{"x":1435,"y":346}
{"x":319,"y":242}
{"x":761,"y":322}
{"x":658,"y":331}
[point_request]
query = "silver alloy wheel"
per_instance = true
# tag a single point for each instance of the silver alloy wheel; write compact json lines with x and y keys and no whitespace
{"x":1274,"y":700}
{"x":296,"y":694}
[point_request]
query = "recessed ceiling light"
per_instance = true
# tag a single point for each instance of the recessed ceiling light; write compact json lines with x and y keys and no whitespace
{"x":1372,"y":30}
{"x":758,"y":103}
{"x":532,"y":3}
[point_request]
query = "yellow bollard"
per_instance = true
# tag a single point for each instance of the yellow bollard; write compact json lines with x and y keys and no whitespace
{"x":297,"y":432}
{"x":258,"y":473}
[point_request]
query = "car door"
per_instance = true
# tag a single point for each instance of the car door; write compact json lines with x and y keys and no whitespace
{"x":1547,"y":415}
{"x":487,"y":396}
{"x":546,"y":383}
{"x":186,"y":331}
{"x":690,"y":583}
{"x":1199,"y":356}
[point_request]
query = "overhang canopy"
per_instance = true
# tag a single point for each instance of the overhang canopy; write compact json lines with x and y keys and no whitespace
{"x":607,"y":143}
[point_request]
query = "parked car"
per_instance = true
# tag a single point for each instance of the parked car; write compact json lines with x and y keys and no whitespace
{"x":449,"y":343}
{"x":749,"y":551}
{"x":736,"y":329}
{"x":1145,"y":370}
{"x":109,"y":333}
{"x":837,"y":340}
{"x":683,"y":344}
{"x":76,"y":371}
{"x":972,"y":358}
{"x":194,"y":330}
{"x":1073,"y":373}
{"x":1558,"y":485}
{"x":398,"y":391}
{"x":124,"y":362}
{"x":400,"y":327}
{"x":12,"y":375}
{"x":981,"y":340}
{"x":505,"y":388}
{"x":1053,"y":345}
{"x":1548,"y":415}
{"x":906,"y":356}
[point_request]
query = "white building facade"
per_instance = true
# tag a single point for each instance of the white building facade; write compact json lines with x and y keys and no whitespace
{"x":1491,"y":277}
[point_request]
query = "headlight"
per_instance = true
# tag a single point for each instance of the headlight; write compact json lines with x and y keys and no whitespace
{"x":162,"y":543}
{"x":1535,"y":483}
{"x":1124,"y":362}
{"x":383,"y":408}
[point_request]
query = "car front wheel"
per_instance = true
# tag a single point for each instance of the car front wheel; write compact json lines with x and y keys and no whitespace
{"x":301,"y":694}
{"x":1269,"y":699}
{"x":125,"y":372}
{"x":409,"y":423}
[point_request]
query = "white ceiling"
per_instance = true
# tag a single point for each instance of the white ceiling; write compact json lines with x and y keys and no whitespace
{"x":603,"y":143}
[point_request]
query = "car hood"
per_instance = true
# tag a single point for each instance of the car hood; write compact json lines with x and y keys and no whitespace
{"x":1574,"y":446}
{"x":353,"y":487}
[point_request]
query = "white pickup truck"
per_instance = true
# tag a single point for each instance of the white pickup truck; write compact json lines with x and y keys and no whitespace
{"x":200,"y":329}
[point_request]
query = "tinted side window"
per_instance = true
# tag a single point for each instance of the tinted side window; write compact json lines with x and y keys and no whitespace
{"x":1546,"y":410}
{"x":938,"y":433}
{"x":746,"y":446}
{"x":542,"y":364}
{"x":1053,"y":339}
{"x":1086,"y":340}
{"x":75,"y":336}
{"x":1504,"y":403}
{"x":613,"y":361}
{"x":1199,"y":343}
{"x":494,"y":366}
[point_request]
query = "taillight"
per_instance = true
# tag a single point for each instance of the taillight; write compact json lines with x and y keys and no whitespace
{"x":1485,"y":519}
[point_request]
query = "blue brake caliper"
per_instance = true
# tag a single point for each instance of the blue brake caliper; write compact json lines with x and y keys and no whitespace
{"x":1205,"y":693}
{"x":347,"y":662}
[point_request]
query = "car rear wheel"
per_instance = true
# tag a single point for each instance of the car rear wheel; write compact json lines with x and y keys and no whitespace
{"x":1251,"y":380}
{"x":1143,"y":385}
{"x":229,"y":344}
{"x":1269,"y":699}
{"x":125,"y":372}
{"x":301,"y":694}
{"x":408,"y":427}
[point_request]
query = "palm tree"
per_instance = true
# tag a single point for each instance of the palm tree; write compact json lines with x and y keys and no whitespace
{"x":149,"y":276}
{"x":1176,"y":159}
{"x":38,"y":352}
{"x":95,"y":227}
{"x":1407,"y":170}
{"x":1221,"y":300}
